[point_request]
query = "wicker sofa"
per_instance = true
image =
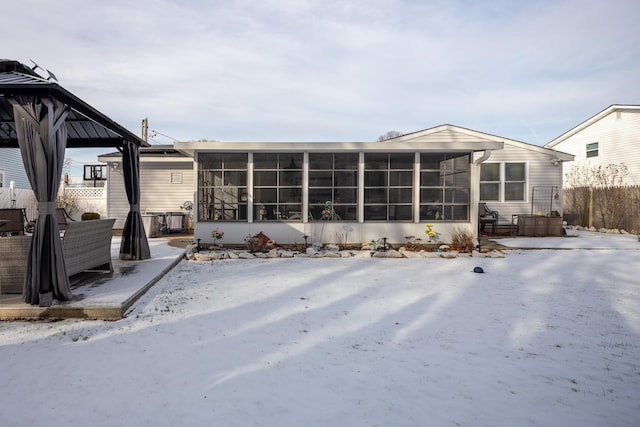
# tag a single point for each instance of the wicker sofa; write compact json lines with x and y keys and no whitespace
{"x":87,"y":245}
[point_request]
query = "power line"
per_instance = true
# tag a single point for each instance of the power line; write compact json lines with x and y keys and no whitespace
{"x":155,"y":132}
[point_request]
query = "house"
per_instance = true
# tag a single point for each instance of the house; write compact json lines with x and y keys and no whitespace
{"x":166,"y":180}
{"x":609,"y":137}
{"x":354,"y":192}
{"x":349,"y":192}
{"x":12,"y":169}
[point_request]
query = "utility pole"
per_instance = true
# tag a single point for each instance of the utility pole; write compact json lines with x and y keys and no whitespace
{"x":145,"y":129}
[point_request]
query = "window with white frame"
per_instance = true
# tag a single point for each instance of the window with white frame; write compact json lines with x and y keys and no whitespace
{"x":515,"y":182}
{"x":592,"y":150}
{"x":503,"y":182}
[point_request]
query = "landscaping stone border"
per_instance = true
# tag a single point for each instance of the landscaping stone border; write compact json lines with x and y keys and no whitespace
{"x":212,"y":254}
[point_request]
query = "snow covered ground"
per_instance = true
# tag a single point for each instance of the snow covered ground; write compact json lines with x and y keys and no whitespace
{"x":543,"y":338}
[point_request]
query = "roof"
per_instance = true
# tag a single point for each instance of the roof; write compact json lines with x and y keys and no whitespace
{"x":610,"y":109}
{"x":86,"y":126}
{"x":457,"y":132}
{"x":444,"y":138}
{"x":157,"y":152}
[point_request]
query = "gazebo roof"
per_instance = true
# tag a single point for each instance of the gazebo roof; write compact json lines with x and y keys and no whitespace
{"x":86,"y":126}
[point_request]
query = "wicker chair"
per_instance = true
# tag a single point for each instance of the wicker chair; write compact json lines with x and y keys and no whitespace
{"x":15,"y":224}
{"x":62,"y":218}
{"x":13,"y":263}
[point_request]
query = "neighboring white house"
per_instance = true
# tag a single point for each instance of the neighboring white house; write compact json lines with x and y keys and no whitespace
{"x":12,"y":169}
{"x":610,"y":137}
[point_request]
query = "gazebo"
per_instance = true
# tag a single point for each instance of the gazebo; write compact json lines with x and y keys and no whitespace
{"x":42,"y":119}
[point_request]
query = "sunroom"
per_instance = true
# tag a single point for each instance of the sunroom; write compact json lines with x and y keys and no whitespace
{"x":347,"y":193}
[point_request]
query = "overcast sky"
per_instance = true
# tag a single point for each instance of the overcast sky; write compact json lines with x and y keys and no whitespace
{"x":324,"y":70}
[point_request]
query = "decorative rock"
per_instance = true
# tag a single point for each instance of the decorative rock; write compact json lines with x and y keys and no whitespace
{"x":311,"y":251}
{"x":362,"y":255}
{"x":430,"y":254}
{"x":261,"y":255}
{"x":379,"y":254}
{"x":332,"y":248}
{"x":345,"y":254}
{"x":246,"y":255}
{"x":202,"y":257}
{"x":216,"y":255}
{"x":232,"y":255}
{"x":286,"y":254}
{"x":331,"y":254}
{"x":444,"y":248}
{"x":273,"y":253}
{"x":447,"y":255}
{"x":392,"y":253}
{"x":411,"y":254}
{"x":366,"y":246}
{"x":478,"y":254}
{"x":495,"y":254}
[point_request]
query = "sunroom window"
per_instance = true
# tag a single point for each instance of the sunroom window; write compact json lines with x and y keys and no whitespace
{"x":277,"y":186}
{"x":388,"y":186}
{"x":333,"y":186}
{"x":444,"y":186}
{"x":222,"y":187}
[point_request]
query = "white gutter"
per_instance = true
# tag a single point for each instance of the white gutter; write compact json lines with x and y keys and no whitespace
{"x":485,"y":156}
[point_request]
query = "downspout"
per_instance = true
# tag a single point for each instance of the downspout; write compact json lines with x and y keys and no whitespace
{"x":476,"y":194}
{"x":485,"y":156}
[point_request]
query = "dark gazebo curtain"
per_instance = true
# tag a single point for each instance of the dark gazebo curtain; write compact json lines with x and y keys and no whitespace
{"x":42,"y":137}
{"x":134,"y":244}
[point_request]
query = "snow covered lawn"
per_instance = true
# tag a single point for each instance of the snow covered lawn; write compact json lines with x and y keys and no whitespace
{"x":543,"y":338}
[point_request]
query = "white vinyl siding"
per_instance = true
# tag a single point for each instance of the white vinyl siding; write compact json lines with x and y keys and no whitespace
{"x":541,"y":172}
{"x":13,"y":168}
{"x":157,"y":192}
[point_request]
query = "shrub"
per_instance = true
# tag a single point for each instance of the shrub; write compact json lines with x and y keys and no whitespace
{"x":90,"y":215}
{"x":462,"y":241}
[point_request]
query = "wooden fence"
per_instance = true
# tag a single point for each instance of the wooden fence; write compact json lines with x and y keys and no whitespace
{"x":608,"y":207}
